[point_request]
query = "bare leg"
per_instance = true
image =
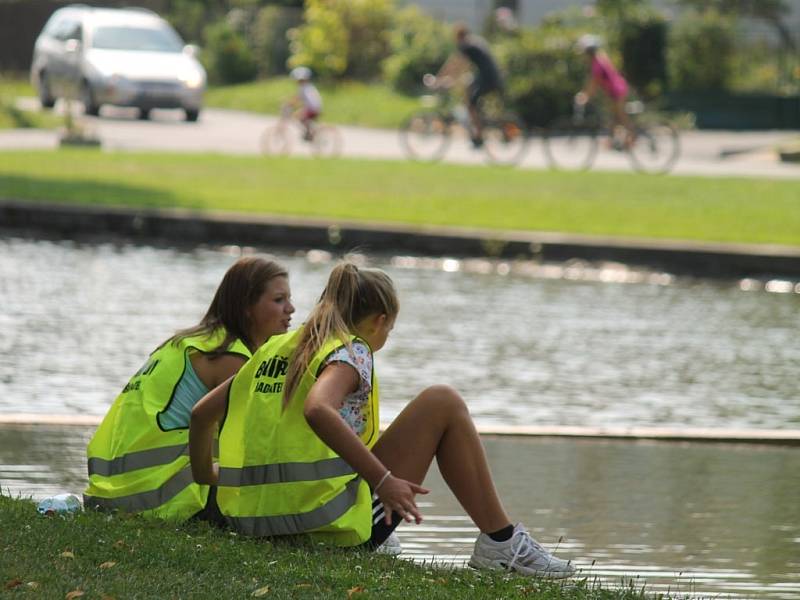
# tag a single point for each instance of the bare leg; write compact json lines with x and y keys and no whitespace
{"x":437,"y":423}
{"x":621,"y":118}
{"x":475,"y":119}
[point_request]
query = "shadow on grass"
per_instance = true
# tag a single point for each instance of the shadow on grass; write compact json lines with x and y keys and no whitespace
{"x":84,"y":191}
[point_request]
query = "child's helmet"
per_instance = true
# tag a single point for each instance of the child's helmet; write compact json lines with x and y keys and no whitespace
{"x":300,"y":73}
{"x":588,"y":42}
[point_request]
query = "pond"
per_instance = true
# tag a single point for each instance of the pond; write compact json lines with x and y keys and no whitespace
{"x":526,"y":344}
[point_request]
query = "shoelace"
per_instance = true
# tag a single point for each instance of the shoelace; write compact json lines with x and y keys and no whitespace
{"x":525,"y":544}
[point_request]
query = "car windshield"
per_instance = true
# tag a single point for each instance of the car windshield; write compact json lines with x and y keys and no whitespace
{"x":136,"y":38}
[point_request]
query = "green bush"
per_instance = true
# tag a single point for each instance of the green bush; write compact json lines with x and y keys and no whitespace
{"x":701,"y":51}
{"x":227,"y":56}
{"x":343,"y":38}
{"x":268,"y":38}
{"x":419,"y":45}
{"x":643,"y":45}
{"x":542,"y":73}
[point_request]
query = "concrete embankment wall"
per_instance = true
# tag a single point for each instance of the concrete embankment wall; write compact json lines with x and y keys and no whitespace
{"x":773,"y":437}
{"x":192,"y":227}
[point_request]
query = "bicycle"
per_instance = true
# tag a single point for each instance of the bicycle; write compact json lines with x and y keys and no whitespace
{"x":572,"y":142}
{"x":325,"y":140}
{"x":427,"y":134}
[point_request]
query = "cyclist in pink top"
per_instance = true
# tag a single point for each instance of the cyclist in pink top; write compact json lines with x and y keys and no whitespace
{"x":605,"y":77}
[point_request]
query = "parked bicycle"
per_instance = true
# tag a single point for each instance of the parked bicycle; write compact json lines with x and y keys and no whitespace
{"x":572,"y":142}
{"x":427,"y":134}
{"x":324,"y":140}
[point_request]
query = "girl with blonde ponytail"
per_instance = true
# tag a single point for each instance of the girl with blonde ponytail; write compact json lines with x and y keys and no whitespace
{"x":299,"y":450}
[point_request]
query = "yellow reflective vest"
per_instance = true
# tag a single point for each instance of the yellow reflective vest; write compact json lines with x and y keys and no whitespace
{"x":276,"y":477}
{"x":136,"y":466}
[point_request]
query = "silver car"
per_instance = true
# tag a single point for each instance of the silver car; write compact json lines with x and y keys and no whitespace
{"x":124,"y":57}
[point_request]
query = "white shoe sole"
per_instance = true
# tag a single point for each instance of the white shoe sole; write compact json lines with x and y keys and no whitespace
{"x":477,"y":563}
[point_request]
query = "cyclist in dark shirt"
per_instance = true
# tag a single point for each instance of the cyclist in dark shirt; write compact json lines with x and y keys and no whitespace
{"x":473,"y":51}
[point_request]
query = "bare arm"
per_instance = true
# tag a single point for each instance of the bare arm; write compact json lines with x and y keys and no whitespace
{"x":206,"y":415}
{"x":588,"y":91}
{"x":321,"y":410}
{"x":214,"y":371}
{"x":453,"y":67}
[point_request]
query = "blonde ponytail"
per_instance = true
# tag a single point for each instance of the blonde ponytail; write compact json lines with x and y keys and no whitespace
{"x":350,"y":295}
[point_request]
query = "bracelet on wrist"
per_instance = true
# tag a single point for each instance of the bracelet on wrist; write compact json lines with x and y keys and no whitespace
{"x":383,"y":479}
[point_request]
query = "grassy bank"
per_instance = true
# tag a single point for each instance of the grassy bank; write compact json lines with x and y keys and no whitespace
{"x":351,"y":103}
{"x":123,"y":557}
{"x":12,"y":87}
{"x":613,"y":204}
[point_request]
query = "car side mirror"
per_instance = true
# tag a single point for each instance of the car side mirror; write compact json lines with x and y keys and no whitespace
{"x":72,"y":45}
{"x":191,"y":50}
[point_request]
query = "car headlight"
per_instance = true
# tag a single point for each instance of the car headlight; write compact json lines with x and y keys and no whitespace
{"x":192,"y":79}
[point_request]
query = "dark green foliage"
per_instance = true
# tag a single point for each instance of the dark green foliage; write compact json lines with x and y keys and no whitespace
{"x":772,"y":12}
{"x":227,"y":56}
{"x":643,"y":45}
{"x":542,"y":74}
{"x":190,"y":17}
{"x":419,"y":45}
{"x":701,"y":52}
{"x":268,"y":38}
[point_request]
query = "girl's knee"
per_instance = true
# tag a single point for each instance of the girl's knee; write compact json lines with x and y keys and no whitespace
{"x":443,"y":396}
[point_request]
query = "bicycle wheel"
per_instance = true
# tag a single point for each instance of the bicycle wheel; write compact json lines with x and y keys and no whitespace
{"x":505,"y":140}
{"x":327,"y":141}
{"x":275,"y":140}
{"x":425,"y":136}
{"x":655,"y":149}
{"x":570,"y":145}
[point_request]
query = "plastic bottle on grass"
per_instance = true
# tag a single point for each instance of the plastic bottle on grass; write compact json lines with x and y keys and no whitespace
{"x":59,"y":505}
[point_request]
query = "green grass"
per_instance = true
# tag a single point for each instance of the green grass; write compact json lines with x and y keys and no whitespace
{"x":351,"y":103}
{"x":613,"y":204}
{"x":13,"y":86}
{"x":127,"y":557}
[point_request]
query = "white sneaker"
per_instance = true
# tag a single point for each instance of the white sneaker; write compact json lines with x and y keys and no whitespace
{"x":390,"y":546}
{"x":521,"y":553}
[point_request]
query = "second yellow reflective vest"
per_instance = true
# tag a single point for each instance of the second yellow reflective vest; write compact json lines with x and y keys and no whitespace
{"x":136,"y":466}
{"x":276,"y":476}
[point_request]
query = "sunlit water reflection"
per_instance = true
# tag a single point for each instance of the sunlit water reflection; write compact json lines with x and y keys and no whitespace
{"x":527,"y":345}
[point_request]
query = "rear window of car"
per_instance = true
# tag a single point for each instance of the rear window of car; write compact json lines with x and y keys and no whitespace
{"x":136,"y":38}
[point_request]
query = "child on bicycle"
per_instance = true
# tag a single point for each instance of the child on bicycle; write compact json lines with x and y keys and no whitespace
{"x":605,"y":77}
{"x":300,"y":450}
{"x":307,"y":101}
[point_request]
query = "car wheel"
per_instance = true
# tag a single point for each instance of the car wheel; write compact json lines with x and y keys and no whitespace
{"x":90,"y":107}
{"x":144,"y":114}
{"x":192,"y":114}
{"x":45,"y":96}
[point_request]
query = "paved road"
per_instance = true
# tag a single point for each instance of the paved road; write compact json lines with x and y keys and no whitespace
{"x":721,"y":153}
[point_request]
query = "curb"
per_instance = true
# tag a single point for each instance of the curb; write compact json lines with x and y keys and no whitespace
{"x":777,"y":437}
{"x":182,"y":226}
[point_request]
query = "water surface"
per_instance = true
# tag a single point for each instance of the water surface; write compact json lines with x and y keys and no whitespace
{"x":526,"y":344}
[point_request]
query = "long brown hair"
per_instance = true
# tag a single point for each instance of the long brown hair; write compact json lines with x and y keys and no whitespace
{"x":350,"y":295}
{"x":241,"y":287}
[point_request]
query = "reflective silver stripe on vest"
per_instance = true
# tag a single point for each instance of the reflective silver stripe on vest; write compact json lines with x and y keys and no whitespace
{"x":136,"y":460}
{"x":284,"y":472}
{"x":144,"y":500}
{"x":300,"y":522}
{"x":142,"y":459}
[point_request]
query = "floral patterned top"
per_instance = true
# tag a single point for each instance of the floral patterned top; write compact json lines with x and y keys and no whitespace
{"x":355,"y":408}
